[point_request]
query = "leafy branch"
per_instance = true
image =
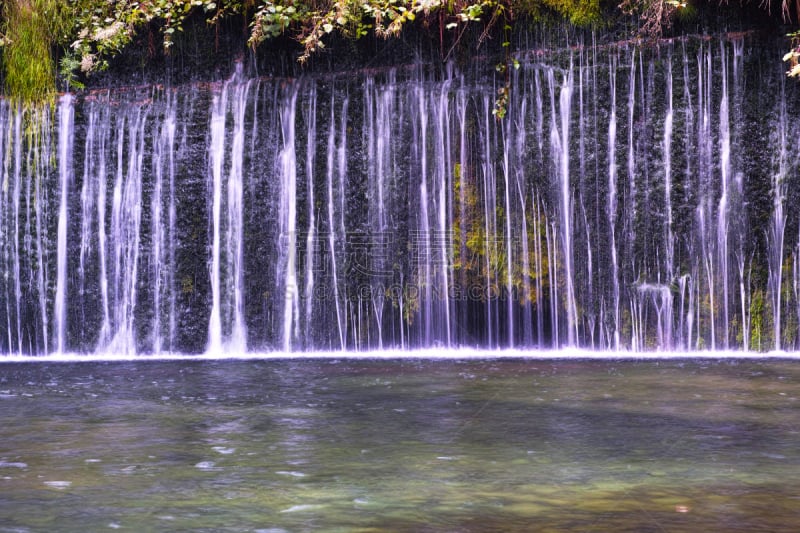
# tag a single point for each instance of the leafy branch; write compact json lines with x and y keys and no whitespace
{"x":793,"y":55}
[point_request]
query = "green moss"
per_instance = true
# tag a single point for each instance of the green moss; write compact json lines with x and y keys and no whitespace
{"x":578,"y":12}
{"x":757,"y":329}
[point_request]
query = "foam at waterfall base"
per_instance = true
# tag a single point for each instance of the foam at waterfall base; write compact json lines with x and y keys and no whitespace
{"x":398,"y":354}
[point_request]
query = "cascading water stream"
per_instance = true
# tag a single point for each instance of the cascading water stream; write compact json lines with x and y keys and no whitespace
{"x":162,"y":234}
{"x":16,"y":236}
{"x":667,"y":147}
{"x":126,"y":228}
{"x":288,"y":218}
{"x":628,"y":221}
{"x":443,"y":222}
{"x":560,"y":138}
{"x":778,"y":220}
{"x":105,"y":328}
{"x":65,"y":136}
{"x":235,"y":225}
{"x":4,"y":259}
{"x":516,"y":162}
{"x":311,"y":238}
{"x":341,"y":174}
{"x":332,"y":233}
{"x":688,"y":280}
{"x":423,"y":235}
{"x":219,"y":110}
{"x":587,"y":143}
{"x":88,"y":196}
{"x":723,"y":225}
{"x":509,"y":252}
{"x":490,"y":251}
{"x":37,"y":165}
{"x":612,"y":202}
{"x":705,"y":170}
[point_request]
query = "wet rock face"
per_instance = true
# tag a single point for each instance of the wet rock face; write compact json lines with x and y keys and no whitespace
{"x":632,"y":197}
{"x":204,"y":52}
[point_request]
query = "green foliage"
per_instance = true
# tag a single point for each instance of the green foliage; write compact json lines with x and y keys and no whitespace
{"x":102,"y":29}
{"x":273,"y":19}
{"x":793,"y":55}
{"x":87,"y":34}
{"x":504,"y":92}
{"x":654,"y":15}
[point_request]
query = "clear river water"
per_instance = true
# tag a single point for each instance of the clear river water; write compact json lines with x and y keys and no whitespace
{"x":338,"y":444}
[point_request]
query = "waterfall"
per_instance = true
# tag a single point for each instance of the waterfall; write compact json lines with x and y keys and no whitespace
{"x":587,"y":146}
{"x":632,"y":198}
{"x":689,"y":278}
{"x":443,"y":202}
{"x":515,"y":164}
{"x":490,"y":250}
{"x":88,"y":196}
{"x":778,"y":220}
{"x":235,"y":241}
{"x":288,"y":218}
{"x":612,"y":201}
{"x":39,"y":170}
{"x":219,"y":110}
{"x":630,"y":205}
{"x":422,"y":238}
{"x":163,"y":231}
{"x":311,"y":238}
{"x":4,"y":256}
{"x":332,"y":234}
{"x":559,"y":137}
{"x":16,"y":237}
{"x":64,"y":167}
{"x":460,"y":174}
{"x":381,"y":107}
{"x":723,"y":226}
{"x":125,"y":234}
{"x":227,"y":261}
{"x":667,"y":147}
{"x":508,"y":239}
{"x":105,"y":328}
